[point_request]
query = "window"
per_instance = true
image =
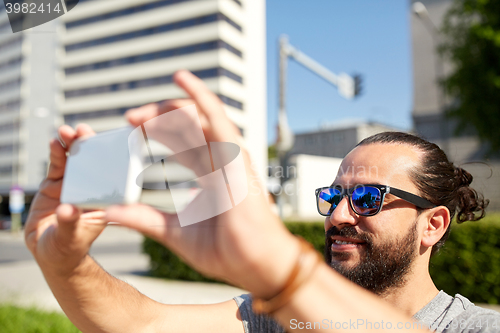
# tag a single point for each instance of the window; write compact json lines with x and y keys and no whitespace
{"x":151,"y":31}
{"x":151,"y":56}
{"x":120,"y":13}
{"x":167,"y":79}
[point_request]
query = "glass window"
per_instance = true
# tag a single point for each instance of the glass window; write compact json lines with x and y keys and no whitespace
{"x":153,"y":30}
{"x":153,"y":56}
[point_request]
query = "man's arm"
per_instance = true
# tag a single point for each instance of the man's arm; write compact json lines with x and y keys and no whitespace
{"x":97,"y":302}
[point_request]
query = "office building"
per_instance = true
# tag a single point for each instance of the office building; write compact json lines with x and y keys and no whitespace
{"x":122,"y":54}
{"x":28,"y":91}
{"x":118,"y":54}
{"x":429,"y":103}
{"x":336,"y":140}
{"x":313,"y":162}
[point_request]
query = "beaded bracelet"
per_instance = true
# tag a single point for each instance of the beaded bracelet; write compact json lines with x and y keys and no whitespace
{"x":301,"y":272}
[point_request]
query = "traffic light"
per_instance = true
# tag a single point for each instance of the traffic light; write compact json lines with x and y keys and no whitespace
{"x":358,"y":89}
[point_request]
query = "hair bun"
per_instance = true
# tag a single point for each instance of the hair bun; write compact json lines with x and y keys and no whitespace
{"x":463,"y":177}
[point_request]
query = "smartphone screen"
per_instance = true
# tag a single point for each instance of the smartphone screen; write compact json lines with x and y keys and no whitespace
{"x":98,"y":170}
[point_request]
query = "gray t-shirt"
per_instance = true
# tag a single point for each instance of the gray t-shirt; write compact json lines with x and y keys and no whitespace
{"x":442,"y":314}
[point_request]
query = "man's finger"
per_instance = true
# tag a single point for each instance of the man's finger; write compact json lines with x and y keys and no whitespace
{"x":66,"y":136}
{"x":139,"y":116}
{"x":200,"y":93}
{"x":51,"y":188}
{"x":93,"y":217}
{"x":57,"y":160}
{"x":58,"y":147}
{"x":210,"y":106}
{"x":84,"y":130}
{"x":142,"y":218}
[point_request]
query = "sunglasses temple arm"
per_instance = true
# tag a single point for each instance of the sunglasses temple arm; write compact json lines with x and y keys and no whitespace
{"x":411,"y":198}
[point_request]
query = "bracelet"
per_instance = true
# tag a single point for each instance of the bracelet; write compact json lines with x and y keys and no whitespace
{"x":301,"y":272}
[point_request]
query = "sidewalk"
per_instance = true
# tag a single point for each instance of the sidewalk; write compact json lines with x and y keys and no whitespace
{"x":118,"y":251}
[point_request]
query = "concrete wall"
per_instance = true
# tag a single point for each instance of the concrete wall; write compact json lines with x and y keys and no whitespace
{"x":429,"y":121}
{"x":39,"y":113}
{"x":335,"y":142}
{"x":311,"y":172}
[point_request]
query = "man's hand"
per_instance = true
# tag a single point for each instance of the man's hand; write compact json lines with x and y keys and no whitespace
{"x":59,"y":236}
{"x":235,"y":245}
{"x":247,"y":245}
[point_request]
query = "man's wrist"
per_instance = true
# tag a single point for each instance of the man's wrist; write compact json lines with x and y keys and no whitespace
{"x":304,"y":267}
{"x":70,"y":270}
{"x":275,"y":271}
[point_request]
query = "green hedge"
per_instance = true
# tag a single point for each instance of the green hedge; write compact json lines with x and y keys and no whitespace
{"x":468,"y":264}
{"x":165,"y":264}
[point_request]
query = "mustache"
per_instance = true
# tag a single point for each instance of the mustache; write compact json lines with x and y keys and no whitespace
{"x":349,"y":232}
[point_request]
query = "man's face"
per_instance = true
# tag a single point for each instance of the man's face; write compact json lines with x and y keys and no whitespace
{"x":375,"y":252}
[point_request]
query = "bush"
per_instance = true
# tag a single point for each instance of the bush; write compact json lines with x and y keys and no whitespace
{"x":314,"y":233}
{"x":467,"y":264}
{"x":14,"y":319}
{"x":165,"y":264}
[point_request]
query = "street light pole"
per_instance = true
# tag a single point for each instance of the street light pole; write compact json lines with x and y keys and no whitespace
{"x":285,"y":136}
{"x":348,"y":87}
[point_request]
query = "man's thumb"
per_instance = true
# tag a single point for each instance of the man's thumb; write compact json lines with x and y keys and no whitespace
{"x":67,"y":216}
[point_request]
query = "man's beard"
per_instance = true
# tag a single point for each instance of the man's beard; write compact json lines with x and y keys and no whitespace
{"x":381,"y":267}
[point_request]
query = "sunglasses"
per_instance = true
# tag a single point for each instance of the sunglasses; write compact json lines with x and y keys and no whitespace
{"x":365,"y":200}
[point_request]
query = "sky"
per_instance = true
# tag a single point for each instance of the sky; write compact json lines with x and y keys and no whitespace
{"x":368,"y":37}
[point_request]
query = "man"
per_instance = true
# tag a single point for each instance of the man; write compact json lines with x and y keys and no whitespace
{"x":384,"y":242}
{"x":250,"y":247}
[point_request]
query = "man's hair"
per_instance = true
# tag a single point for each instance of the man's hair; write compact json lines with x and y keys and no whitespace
{"x":438,"y":180}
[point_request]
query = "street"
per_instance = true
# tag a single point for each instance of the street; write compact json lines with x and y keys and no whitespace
{"x":117,"y":250}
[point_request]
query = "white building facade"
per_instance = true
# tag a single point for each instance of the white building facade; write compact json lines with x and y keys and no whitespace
{"x":429,"y":103}
{"x":28,"y":90}
{"x":114,"y":55}
{"x":122,"y":54}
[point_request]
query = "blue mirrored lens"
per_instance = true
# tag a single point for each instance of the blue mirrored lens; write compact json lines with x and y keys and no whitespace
{"x":366,"y":200}
{"x":328,"y":199}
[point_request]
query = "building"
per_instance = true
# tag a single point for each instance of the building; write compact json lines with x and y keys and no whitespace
{"x":307,"y":173}
{"x":28,"y":91}
{"x":313,"y":162}
{"x":115,"y":55}
{"x":336,"y":140}
{"x":429,"y":103}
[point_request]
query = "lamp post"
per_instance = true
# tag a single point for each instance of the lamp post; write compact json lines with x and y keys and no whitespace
{"x":421,"y":12}
{"x":348,"y":87}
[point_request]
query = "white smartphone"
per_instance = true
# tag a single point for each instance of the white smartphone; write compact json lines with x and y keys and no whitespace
{"x":105,"y":169}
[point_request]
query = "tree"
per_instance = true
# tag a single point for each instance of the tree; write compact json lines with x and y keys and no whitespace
{"x":272,"y":152}
{"x":471,"y":32}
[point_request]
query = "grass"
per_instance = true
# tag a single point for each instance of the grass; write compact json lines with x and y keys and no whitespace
{"x":14,"y":319}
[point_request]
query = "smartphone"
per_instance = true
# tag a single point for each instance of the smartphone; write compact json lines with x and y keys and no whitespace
{"x":105,"y":169}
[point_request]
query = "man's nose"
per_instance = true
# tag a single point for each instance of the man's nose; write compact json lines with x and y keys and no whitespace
{"x":342,"y":214}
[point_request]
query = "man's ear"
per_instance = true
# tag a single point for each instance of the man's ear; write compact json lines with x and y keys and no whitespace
{"x":438,"y":220}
